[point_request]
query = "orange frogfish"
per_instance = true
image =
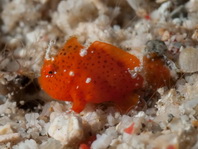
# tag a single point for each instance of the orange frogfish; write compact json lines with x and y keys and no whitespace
{"x":99,"y":73}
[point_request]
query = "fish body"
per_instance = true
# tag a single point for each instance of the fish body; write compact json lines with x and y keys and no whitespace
{"x":99,"y":73}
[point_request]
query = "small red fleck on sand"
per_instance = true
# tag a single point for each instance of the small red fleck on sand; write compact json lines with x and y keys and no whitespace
{"x":171,"y":147}
{"x":147,"y":17}
{"x":84,"y":146}
{"x":87,"y":143}
{"x":130,"y":129}
{"x":150,"y":120}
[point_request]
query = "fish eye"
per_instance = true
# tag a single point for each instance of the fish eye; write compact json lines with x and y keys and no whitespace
{"x":50,"y":72}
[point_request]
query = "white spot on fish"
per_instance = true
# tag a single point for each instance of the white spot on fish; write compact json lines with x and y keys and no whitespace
{"x":71,"y":73}
{"x":83,"y":52}
{"x":133,"y":73}
{"x":88,"y":80}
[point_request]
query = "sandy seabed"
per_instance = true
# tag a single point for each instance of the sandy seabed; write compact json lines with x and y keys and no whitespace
{"x":30,"y":119}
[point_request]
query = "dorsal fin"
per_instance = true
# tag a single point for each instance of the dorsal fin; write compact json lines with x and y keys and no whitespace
{"x":129,"y":60}
{"x":71,"y":44}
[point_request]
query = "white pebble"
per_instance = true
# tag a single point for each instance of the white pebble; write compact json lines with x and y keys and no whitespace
{"x":188,"y":61}
{"x":67,"y":128}
{"x":27,"y":144}
{"x":9,"y":137}
{"x":22,"y":102}
{"x":5,"y":129}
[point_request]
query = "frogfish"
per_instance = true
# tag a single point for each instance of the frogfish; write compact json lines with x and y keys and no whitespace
{"x":97,"y":74}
